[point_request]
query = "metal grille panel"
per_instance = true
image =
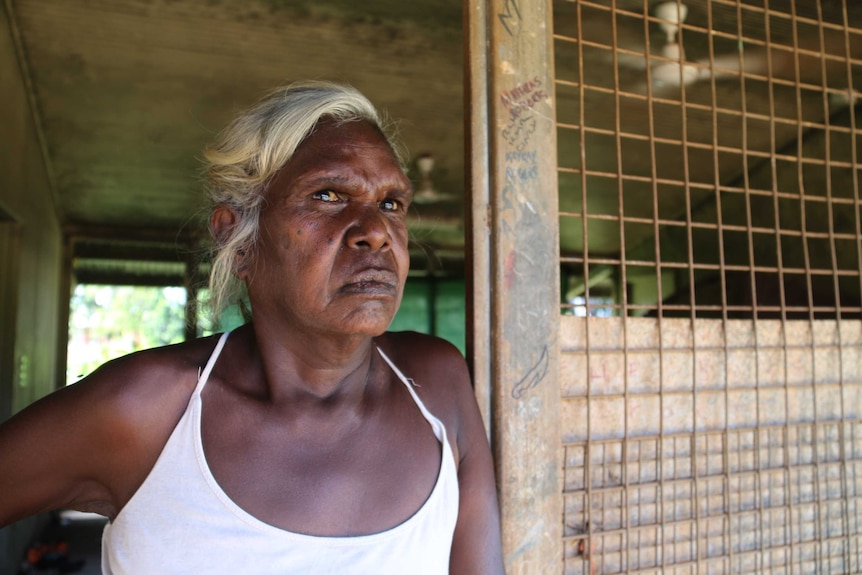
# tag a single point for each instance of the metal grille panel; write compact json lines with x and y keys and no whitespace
{"x":710,"y":243}
{"x":735,"y":447}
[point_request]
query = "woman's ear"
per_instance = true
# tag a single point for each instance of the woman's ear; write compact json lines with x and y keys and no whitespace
{"x":222,"y":221}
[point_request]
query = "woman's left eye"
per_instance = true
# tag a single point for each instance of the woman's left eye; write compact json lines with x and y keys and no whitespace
{"x":390,"y":205}
{"x":325,"y":196}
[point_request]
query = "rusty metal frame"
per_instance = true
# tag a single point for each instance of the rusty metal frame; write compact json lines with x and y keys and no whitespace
{"x":810,"y":464}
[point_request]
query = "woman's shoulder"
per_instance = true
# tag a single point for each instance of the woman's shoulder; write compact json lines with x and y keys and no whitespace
{"x":140,"y":397}
{"x":439,"y":372}
{"x":148,"y":376}
{"x":144,"y":393}
{"x":425,"y":357}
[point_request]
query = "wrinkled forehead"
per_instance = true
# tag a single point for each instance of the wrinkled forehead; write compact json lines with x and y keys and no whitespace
{"x":340,"y":151}
{"x":340,"y":139}
{"x":348,"y":129}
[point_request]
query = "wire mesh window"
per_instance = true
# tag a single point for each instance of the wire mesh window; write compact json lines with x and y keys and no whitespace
{"x":714,"y":162}
{"x":710,"y":226}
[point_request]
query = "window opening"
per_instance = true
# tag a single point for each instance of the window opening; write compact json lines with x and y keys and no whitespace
{"x":108,"y":321}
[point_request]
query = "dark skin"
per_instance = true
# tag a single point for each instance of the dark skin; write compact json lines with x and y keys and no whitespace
{"x":304,"y":425}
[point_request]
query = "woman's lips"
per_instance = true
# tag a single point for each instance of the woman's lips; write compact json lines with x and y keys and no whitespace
{"x":372,"y":282}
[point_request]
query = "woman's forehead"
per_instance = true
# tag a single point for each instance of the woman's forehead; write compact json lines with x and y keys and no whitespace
{"x":344,"y":150}
{"x":331,"y":141}
{"x":355,"y":132}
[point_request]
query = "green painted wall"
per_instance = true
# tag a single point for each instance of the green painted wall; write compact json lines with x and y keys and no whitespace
{"x":435,"y":306}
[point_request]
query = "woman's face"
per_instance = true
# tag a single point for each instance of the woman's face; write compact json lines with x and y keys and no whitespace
{"x":332,"y":253}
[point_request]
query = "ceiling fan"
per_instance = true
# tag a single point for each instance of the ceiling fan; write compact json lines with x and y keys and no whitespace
{"x":434,"y":211}
{"x":426,"y":193}
{"x":677,"y":71}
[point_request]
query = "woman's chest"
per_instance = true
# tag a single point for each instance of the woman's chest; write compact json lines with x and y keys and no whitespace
{"x":325,"y":478}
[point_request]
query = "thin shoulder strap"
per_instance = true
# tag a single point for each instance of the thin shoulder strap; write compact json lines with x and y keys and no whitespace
{"x":205,"y":374}
{"x":409,"y":383}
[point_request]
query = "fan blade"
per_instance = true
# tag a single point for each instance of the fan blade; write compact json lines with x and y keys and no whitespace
{"x":674,"y":74}
{"x":730,"y":65}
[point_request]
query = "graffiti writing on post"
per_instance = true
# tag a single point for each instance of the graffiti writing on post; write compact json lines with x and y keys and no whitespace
{"x":521,"y":166}
{"x":523,"y":97}
{"x":521,"y":206}
{"x":510,"y":16}
{"x":518,"y":131}
{"x":534,"y":375}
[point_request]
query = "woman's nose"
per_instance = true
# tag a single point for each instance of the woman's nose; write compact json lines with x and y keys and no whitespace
{"x":369,"y":229}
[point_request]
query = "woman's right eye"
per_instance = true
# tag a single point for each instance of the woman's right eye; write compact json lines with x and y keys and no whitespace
{"x":325,"y":196}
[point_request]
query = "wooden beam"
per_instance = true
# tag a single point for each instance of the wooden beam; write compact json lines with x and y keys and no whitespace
{"x":131,"y":251}
{"x":86,"y":232}
{"x":525,"y":315}
{"x":121,"y":278}
{"x":478,"y":238}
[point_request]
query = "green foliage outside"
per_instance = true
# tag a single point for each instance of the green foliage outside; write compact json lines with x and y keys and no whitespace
{"x":106,"y":322}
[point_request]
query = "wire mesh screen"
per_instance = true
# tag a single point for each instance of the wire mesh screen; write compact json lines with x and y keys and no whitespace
{"x":712,"y":446}
{"x":710,"y":226}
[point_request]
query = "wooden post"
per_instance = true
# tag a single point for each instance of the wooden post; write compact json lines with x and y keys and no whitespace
{"x":192,"y":280}
{"x":525,"y":310}
{"x":478,"y":238}
{"x":67,"y":286}
{"x":10,"y":248}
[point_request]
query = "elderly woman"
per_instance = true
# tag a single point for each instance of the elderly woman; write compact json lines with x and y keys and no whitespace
{"x":309,"y":440}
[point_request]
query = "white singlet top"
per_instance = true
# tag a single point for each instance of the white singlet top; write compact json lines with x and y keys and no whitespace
{"x":181,"y":522}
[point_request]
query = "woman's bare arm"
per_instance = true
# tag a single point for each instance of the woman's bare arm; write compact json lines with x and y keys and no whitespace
{"x":447,"y":392}
{"x":476,"y":547}
{"x":90,"y":445}
{"x":50,"y":456}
